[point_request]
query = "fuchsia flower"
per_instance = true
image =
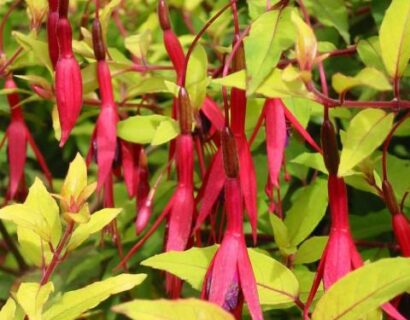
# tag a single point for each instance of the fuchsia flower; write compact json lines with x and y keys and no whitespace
{"x":18,"y":135}
{"x":68,"y":83}
{"x":52,"y":21}
{"x":230,"y":273}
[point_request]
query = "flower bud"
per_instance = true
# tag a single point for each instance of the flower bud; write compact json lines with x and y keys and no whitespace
{"x":229,"y":153}
{"x":163,"y":15}
{"x":98,"y":41}
{"x":238,"y":62}
{"x":64,"y":36}
{"x":63,"y":8}
{"x":401,"y":228}
{"x":184,"y":112}
{"x":329,"y":146}
{"x":53,"y":50}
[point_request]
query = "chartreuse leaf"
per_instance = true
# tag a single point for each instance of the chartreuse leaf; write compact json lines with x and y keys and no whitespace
{"x":98,"y":220}
{"x":395,"y":37}
{"x":311,"y":250}
{"x":368,"y":77}
{"x":370,"y":53}
{"x":40,"y":201}
{"x":263,"y":49}
{"x":281,"y":235}
{"x":37,"y":10}
{"x":366,"y":132}
{"x":138,"y":44}
{"x":106,"y":12}
{"x":307,"y":210}
{"x":74,"y":303}
{"x":148,"y":129}
{"x":364,"y":290}
{"x":187,"y":309}
{"x":197,"y":76}
{"x":311,"y":160}
{"x":8,"y":311}
{"x":31,"y":44}
{"x":276,"y":284}
{"x":152,"y":85}
{"x":331,"y":13}
{"x":76,"y":179}
{"x":32,"y":297}
{"x":233,"y":80}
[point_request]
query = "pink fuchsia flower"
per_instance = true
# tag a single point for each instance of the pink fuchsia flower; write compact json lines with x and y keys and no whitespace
{"x":230,"y":273}
{"x":68,"y":82}
{"x":18,"y":135}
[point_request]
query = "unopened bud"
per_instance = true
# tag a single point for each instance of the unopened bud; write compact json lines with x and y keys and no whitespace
{"x":229,"y":153}
{"x":329,"y":146}
{"x":98,"y":40}
{"x":184,"y":111}
{"x":389,"y":197}
{"x":238,"y":62}
{"x":163,"y":15}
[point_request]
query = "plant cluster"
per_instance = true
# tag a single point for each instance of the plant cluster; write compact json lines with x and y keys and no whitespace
{"x":256,"y":152}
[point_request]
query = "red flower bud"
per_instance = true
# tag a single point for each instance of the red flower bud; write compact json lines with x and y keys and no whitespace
{"x":98,"y":41}
{"x":329,"y":146}
{"x":163,"y":15}
{"x":184,"y":112}
{"x":389,"y":197}
{"x":230,"y":153}
{"x":53,"y":50}
{"x":401,"y":228}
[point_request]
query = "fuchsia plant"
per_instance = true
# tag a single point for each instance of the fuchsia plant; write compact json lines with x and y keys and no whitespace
{"x":171,"y":122}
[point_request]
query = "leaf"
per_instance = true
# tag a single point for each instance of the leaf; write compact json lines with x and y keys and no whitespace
{"x":370,"y":53}
{"x":152,"y":85}
{"x":301,"y":108}
{"x":276,"y":284}
{"x":370,"y":225}
{"x":138,"y":44}
{"x":105,"y":14}
{"x":39,"y":48}
{"x":331,"y":13}
{"x":311,"y":250}
{"x":311,"y":160}
{"x":395,"y":37}
{"x":40,"y":202}
{"x":369,"y":77}
{"x":32,"y":297}
{"x":187,"y":309}
{"x":98,"y":220}
{"x":235,"y":80}
{"x":37,"y":9}
{"x":76,"y":179}
{"x":364,"y":290}
{"x":306,"y":44}
{"x":280,"y":233}
{"x":197,"y":77}
{"x":148,"y":129}
{"x":263,"y":49}
{"x":366,"y":132}
{"x":74,"y":303}
{"x":307,"y":210}
{"x":8,"y":311}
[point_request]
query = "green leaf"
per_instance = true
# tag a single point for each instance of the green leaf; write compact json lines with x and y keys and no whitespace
{"x":366,"y":132}
{"x":98,"y":220}
{"x":74,"y":303}
{"x":364,"y":290}
{"x":187,"y":309}
{"x":280,"y":233}
{"x":276,"y":284}
{"x":369,"y":77}
{"x":263,"y":49}
{"x":370,"y":53}
{"x":233,"y":80}
{"x":152,"y":85}
{"x":301,"y":108}
{"x":40,"y":201}
{"x":306,"y":43}
{"x":311,"y":250}
{"x":32,"y":297}
{"x":105,"y":14}
{"x":76,"y":179}
{"x":148,"y":129}
{"x":307,"y":210}
{"x":8,"y":311}
{"x":311,"y":160}
{"x":395,"y":37}
{"x":138,"y":44}
{"x":370,"y":225}
{"x":31,"y":44}
{"x":331,"y":13}
{"x":197,"y":76}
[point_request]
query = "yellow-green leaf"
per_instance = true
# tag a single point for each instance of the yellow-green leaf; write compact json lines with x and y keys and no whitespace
{"x":197,"y":76}
{"x":76,"y":179}
{"x":364,"y":290}
{"x":138,"y":44}
{"x":281,"y":235}
{"x":34,"y":249}
{"x":235,"y":80}
{"x":306,"y":44}
{"x":311,"y":160}
{"x":98,"y":220}
{"x":395,"y":37}
{"x":370,"y":53}
{"x":37,"y":10}
{"x":366,"y":132}
{"x":32,"y":297}
{"x":74,"y":303}
{"x":311,"y":250}
{"x":187,"y":309}
{"x":263,"y":49}
{"x":8,"y":311}
{"x":40,"y":201}
{"x":369,"y":77}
